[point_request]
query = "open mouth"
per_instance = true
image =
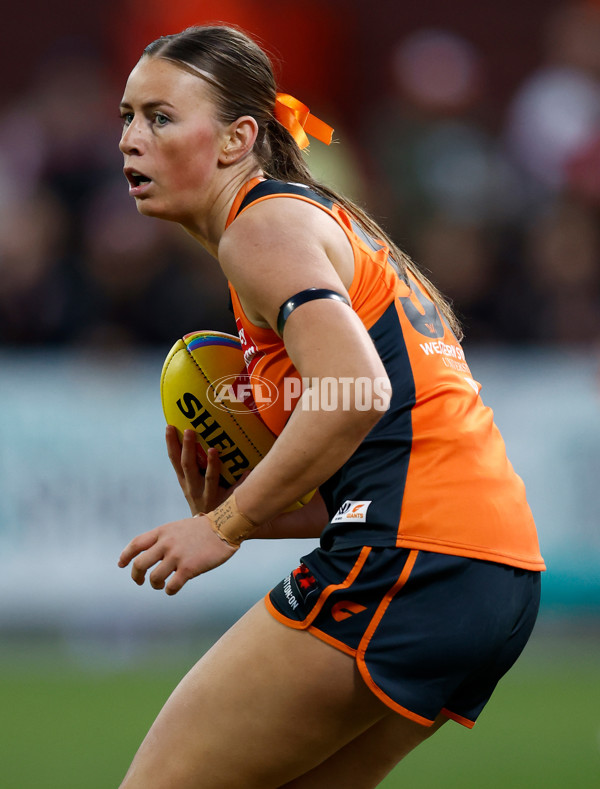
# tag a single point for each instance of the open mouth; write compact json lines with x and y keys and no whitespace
{"x":137,"y":179}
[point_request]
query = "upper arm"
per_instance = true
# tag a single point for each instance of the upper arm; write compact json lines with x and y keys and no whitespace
{"x":281,"y":247}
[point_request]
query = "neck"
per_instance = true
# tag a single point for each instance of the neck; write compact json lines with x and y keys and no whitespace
{"x":207,"y":225}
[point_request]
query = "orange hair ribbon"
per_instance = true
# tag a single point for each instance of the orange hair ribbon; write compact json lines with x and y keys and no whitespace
{"x":296,"y":118}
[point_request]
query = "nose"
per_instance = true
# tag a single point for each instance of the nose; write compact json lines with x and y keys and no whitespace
{"x":131,"y":140}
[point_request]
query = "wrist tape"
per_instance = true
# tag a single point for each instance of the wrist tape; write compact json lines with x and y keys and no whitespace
{"x":229,"y":523}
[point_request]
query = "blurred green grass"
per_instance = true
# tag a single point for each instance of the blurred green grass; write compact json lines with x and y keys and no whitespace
{"x":72,"y":720}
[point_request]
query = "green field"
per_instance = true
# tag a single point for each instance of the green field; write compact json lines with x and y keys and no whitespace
{"x":72,"y":720}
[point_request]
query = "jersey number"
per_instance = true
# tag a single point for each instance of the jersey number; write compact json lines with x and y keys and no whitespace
{"x":428,"y":322}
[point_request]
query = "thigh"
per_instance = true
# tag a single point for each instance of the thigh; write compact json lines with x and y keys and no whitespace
{"x":266,"y":704}
{"x":364,"y":762}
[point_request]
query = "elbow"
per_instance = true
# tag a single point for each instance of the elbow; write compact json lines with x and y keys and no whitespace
{"x":361,"y":400}
{"x":383,"y":395}
{"x":371,"y":399}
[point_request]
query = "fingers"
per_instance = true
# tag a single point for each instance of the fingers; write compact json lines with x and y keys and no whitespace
{"x":181,"y":550}
{"x":142,"y":563}
{"x":211,"y":480}
{"x":189,"y":456}
{"x":162,"y":572}
{"x":140,"y":543}
{"x":194,"y":484}
{"x":148,"y":550}
{"x":174,"y":449}
{"x":201,"y":455}
{"x":176,"y":581}
{"x":188,"y":446}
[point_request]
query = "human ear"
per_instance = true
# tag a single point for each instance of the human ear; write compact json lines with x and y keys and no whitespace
{"x":239,"y":139}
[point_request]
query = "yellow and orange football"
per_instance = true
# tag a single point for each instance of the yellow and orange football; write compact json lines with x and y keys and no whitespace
{"x":204,"y":385}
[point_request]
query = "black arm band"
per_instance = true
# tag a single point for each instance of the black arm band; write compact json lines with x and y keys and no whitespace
{"x":310,"y":294}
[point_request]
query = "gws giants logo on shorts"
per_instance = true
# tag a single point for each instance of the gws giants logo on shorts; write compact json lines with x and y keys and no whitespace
{"x":352,"y":511}
{"x":235,"y":393}
{"x":345,"y":609}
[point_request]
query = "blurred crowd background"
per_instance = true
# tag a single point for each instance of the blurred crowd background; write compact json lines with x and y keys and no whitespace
{"x":470,"y":130}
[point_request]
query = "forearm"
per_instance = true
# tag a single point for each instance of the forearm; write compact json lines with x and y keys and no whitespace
{"x":303,"y":523}
{"x":312,"y":447}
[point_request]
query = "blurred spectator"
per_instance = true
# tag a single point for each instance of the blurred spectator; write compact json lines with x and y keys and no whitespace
{"x":457,"y":257}
{"x":583,"y":171}
{"x":140,"y":283}
{"x":36,"y":295}
{"x":555,"y":114}
{"x":486,"y":214}
{"x":429,"y":142}
{"x":563,"y":263}
{"x":500,"y":205}
{"x":451,"y":188}
{"x":553,"y":134}
{"x":79,"y":265}
{"x":63,"y":128}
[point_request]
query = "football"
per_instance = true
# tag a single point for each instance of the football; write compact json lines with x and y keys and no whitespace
{"x":204,"y":385}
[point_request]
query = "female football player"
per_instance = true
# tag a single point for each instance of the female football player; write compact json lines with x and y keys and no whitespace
{"x":425,"y":587}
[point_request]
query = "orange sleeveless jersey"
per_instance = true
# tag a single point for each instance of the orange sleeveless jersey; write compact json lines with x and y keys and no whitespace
{"x":433,"y":473}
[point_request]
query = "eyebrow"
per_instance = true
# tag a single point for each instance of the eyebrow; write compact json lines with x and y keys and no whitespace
{"x":148,"y":105}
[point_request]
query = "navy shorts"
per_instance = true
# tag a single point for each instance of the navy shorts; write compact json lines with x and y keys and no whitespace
{"x":430,"y":633}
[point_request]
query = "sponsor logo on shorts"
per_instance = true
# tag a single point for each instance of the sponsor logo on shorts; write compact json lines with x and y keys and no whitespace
{"x":345,"y":609}
{"x":289,"y":594}
{"x":305,"y":580}
{"x":352,"y":511}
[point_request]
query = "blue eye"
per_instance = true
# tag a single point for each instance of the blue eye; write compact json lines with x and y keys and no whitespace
{"x":126,"y":117}
{"x":161,"y":119}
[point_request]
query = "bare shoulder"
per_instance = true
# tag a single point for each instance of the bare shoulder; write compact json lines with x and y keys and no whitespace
{"x":280,"y":246}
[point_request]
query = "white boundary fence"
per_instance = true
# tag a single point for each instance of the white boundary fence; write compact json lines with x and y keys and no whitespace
{"x":83,"y":469}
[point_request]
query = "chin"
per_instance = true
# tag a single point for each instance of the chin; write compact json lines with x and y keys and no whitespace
{"x":147,"y":208}
{"x":155,"y":210}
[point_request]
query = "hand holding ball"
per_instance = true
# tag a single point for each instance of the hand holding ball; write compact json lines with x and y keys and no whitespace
{"x":204,"y":385}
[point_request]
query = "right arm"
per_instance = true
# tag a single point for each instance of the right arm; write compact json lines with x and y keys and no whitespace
{"x":203,"y":493}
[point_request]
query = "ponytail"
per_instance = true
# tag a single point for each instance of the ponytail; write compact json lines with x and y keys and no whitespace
{"x":286,"y":162}
{"x":280,"y":157}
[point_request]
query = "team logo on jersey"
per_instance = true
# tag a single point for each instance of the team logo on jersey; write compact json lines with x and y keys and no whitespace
{"x":352,"y":511}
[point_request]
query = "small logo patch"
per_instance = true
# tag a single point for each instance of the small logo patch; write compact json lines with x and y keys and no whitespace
{"x":352,"y":511}
{"x":345,"y":609}
{"x":305,"y":580}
